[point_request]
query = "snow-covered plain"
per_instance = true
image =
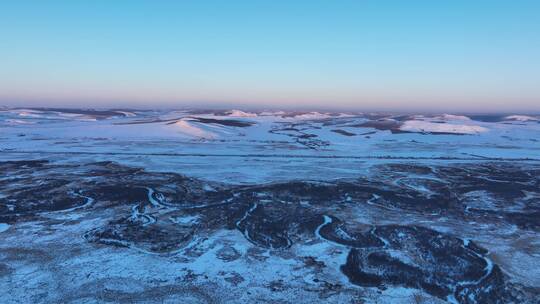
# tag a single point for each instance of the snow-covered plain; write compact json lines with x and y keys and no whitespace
{"x":191,"y":206}
{"x":446,"y":128}
{"x":270,"y":144}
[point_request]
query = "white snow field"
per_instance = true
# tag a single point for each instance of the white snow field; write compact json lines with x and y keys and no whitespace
{"x":233,"y":206}
{"x":270,"y":144}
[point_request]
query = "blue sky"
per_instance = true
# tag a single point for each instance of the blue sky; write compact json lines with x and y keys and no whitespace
{"x":403,"y":55}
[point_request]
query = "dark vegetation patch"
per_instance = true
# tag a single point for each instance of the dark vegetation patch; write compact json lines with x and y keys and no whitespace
{"x":383,"y":124}
{"x":343,"y":132}
{"x":224,"y":122}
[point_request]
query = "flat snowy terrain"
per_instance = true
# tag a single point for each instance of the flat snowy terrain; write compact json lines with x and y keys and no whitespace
{"x":243,"y":147}
{"x":268,"y":207}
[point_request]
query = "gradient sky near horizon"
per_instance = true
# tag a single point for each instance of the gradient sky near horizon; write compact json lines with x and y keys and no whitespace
{"x":459,"y":55}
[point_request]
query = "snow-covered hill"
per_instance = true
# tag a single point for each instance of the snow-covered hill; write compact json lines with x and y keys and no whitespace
{"x":336,"y":138}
